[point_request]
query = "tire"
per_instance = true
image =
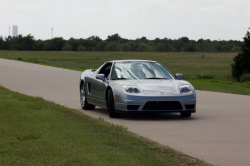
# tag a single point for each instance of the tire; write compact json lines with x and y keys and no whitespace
{"x":83,"y":99}
{"x":185,"y":114}
{"x":111,"y":105}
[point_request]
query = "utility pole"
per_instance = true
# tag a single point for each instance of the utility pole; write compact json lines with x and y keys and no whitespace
{"x":9,"y":30}
{"x":52,"y":33}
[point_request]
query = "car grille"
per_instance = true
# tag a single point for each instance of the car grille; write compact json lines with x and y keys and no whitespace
{"x":162,"y":105}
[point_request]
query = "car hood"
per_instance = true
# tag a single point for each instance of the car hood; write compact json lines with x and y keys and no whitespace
{"x":155,"y":87}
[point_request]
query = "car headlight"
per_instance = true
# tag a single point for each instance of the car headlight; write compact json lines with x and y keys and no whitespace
{"x":185,"y":89}
{"x":131,"y":89}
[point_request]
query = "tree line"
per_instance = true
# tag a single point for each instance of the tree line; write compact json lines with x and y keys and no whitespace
{"x":116,"y":43}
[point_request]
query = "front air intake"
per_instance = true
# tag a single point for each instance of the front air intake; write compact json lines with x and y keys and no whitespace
{"x":162,"y":105}
{"x":133,"y":107}
{"x":190,"y":106}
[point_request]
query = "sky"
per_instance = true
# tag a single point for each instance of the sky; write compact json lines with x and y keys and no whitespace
{"x":131,"y":19}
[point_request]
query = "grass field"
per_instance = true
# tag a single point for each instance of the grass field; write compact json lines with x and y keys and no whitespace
{"x":224,"y":86}
{"x":189,"y":64}
{"x":37,"y":132}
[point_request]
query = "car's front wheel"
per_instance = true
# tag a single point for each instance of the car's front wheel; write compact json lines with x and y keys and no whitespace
{"x":185,"y":114}
{"x":111,"y":105}
{"x":83,"y":99}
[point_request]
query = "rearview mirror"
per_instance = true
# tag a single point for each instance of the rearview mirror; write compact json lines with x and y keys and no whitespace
{"x":100,"y":77}
{"x":179,"y":76}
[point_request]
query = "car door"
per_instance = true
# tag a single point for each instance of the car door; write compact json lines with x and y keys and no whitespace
{"x":98,"y":87}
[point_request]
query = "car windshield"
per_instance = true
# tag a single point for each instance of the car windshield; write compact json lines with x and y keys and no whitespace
{"x":139,"y":70}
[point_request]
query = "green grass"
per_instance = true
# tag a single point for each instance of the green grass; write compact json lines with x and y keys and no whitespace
{"x":189,"y":64}
{"x":37,"y":132}
{"x":225,"y":86}
{"x":215,"y":65}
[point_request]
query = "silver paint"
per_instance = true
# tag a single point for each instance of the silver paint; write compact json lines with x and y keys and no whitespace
{"x":150,"y":90}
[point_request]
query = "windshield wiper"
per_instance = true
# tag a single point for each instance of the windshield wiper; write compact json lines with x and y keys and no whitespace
{"x":121,"y":79}
{"x":157,"y":78}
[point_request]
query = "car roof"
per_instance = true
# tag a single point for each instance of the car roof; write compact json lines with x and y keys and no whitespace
{"x":131,"y":60}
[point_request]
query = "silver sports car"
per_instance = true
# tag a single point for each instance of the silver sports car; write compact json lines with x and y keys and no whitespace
{"x":129,"y":86}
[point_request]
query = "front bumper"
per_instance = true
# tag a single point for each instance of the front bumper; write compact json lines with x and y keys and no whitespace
{"x":136,"y":103}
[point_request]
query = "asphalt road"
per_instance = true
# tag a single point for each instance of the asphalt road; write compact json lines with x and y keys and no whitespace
{"x":218,"y":133}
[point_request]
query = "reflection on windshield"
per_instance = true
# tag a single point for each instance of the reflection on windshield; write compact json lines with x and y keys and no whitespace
{"x":139,"y":70}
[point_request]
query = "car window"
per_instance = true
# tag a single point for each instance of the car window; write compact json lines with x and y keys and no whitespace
{"x":105,"y":69}
{"x":140,"y":70}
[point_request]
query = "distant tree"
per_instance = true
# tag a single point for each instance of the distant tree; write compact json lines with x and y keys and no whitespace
{"x":67,"y":47}
{"x":242,"y":60}
{"x":188,"y":47}
{"x":185,"y":39}
{"x":142,"y":39}
{"x":122,"y":40}
{"x":73,"y":43}
{"x":48,"y":46}
{"x":178,"y":45}
{"x":23,"y":42}
{"x":9,"y":38}
{"x":125,"y":47}
{"x":90,"y":45}
{"x":81,"y":48}
{"x":133,"y":45}
{"x":161,"y":47}
{"x":57,"y":43}
{"x":115,"y":37}
{"x":235,"y":49}
{"x":39,"y":45}
{"x":96,"y":38}
{"x":6,"y":45}
{"x":200,"y":41}
{"x":165,"y":40}
{"x":193,"y":41}
{"x":157,"y":40}
{"x":102,"y":46}
{"x":116,"y":43}
{"x":142,"y":47}
{"x":208,"y":41}
{"x":113,"y":46}
{"x":1,"y":42}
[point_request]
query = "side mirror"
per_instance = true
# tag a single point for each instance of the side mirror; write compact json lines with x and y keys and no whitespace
{"x":179,"y":76}
{"x":100,"y":77}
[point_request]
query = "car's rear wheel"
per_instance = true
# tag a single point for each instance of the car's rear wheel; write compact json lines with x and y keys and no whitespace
{"x":83,"y":99}
{"x":185,"y":114}
{"x":111,"y":105}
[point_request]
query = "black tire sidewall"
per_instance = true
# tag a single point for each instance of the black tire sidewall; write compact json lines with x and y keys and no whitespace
{"x":111,"y":102}
{"x":111,"y":105}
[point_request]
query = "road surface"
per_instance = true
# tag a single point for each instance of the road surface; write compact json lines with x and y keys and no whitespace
{"x":218,"y":133}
